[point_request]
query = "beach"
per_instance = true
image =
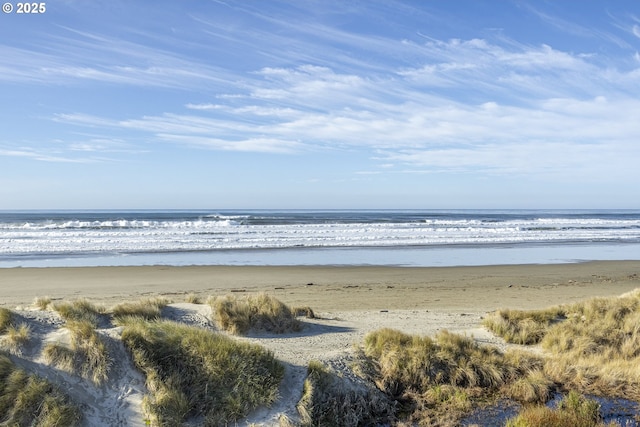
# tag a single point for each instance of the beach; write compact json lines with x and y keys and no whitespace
{"x":329,"y":288}
{"x":349,"y":302}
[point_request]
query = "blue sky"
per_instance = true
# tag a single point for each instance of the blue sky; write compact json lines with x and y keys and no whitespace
{"x":321,"y":104}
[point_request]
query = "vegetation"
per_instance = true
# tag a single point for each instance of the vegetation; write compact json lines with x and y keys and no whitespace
{"x":328,"y":400}
{"x":257,"y":312}
{"x":573,"y":410}
{"x":193,"y":299}
{"x":437,"y":380}
{"x":192,"y":372}
{"x":80,"y":310}
{"x":86,"y":355}
{"x":519,"y":327}
{"x":593,"y":346}
{"x":147,"y":308}
{"x":42,"y":303}
{"x":5,"y":319}
{"x":16,"y":337}
{"x":26,"y":400}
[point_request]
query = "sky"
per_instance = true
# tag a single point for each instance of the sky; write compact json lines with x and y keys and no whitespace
{"x":320,"y":104}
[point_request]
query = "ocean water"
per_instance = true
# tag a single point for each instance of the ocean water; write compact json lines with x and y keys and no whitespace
{"x":333,"y":237}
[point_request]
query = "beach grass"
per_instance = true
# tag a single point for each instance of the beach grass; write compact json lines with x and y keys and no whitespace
{"x":195,"y":373}
{"x":26,"y":400}
{"x":16,"y":337}
{"x":42,"y":303}
{"x":592,"y":346}
{"x":259,"y":312}
{"x":80,"y":310}
{"x":86,"y":354}
{"x":573,"y":410}
{"x":6,"y":318}
{"x":192,"y":298}
{"x":439,"y":379}
{"x":329,"y":400}
{"x":146,"y":308}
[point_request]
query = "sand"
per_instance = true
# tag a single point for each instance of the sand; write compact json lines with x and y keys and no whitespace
{"x":351,"y":302}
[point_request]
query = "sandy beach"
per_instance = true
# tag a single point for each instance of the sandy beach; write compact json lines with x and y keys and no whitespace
{"x":349,"y":301}
{"x":327,"y":288}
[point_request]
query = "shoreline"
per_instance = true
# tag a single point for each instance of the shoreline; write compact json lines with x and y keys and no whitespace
{"x":334,"y":288}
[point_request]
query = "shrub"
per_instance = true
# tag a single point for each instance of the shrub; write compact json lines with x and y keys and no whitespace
{"x":192,"y":372}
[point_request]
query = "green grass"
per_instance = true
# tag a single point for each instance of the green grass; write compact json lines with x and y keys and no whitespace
{"x":328,"y":400}
{"x":26,"y":400}
{"x":147,"y":308}
{"x":255,"y":312}
{"x":86,"y":355}
{"x":195,"y":373}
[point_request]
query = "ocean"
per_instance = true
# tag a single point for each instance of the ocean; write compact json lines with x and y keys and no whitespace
{"x":316,"y":237}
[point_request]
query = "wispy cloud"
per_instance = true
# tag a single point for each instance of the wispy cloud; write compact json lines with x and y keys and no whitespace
{"x":516,"y":108}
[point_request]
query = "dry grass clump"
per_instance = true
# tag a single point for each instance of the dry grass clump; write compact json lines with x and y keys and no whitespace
{"x":523,"y":327}
{"x":26,"y":400}
{"x":573,"y":410}
{"x":304,"y":311}
{"x":441,"y":378}
{"x":328,"y":400}
{"x":195,"y":373}
{"x":79,"y":310}
{"x":257,"y":312}
{"x":16,"y":337}
{"x":593,"y":346}
{"x":147,"y":308}
{"x":193,"y":299}
{"x":42,"y":303}
{"x":5,"y":319}
{"x":85,"y":355}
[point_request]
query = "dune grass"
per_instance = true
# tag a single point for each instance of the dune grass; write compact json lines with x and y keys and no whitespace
{"x":519,"y":327}
{"x":5,"y":319}
{"x":16,"y":337}
{"x":195,"y":373}
{"x":592,"y":346}
{"x":256,"y":312}
{"x":192,"y":298}
{"x":26,"y":400}
{"x":573,"y":410}
{"x":42,"y":303}
{"x":80,"y":310}
{"x":438,"y":380}
{"x":86,"y":354}
{"x":146,"y":308}
{"x":328,"y":400}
